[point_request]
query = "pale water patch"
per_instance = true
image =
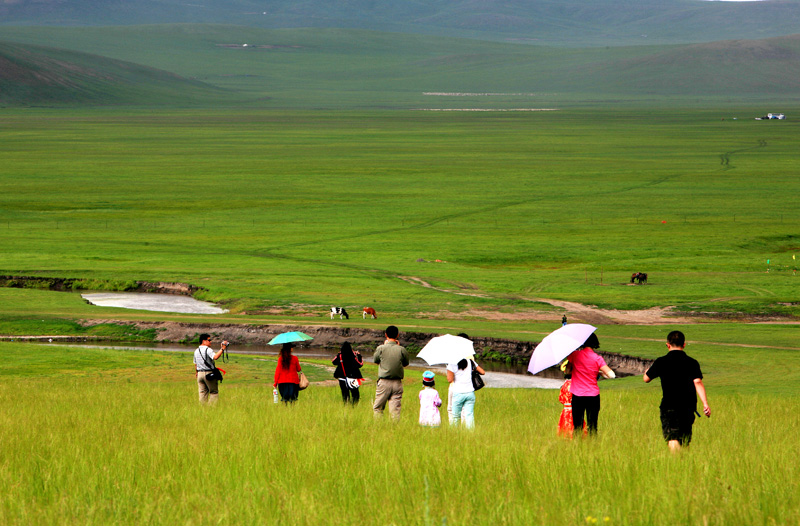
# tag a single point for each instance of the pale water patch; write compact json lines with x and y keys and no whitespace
{"x":152,"y":302}
{"x":508,"y":380}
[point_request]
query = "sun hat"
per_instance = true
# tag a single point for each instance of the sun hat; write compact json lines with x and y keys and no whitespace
{"x":428,"y":375}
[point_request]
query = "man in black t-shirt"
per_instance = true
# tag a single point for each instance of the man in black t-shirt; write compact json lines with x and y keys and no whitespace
{"x":681,"y":384}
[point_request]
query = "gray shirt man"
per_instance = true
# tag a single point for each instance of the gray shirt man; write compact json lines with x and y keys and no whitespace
{"x":391,"y":358}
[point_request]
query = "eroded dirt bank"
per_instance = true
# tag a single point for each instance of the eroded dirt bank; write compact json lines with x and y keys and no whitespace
{"x":67,"y":284}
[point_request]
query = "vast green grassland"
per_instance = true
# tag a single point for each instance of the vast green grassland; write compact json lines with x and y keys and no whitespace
{"x":117,"y":437}
{"x":285,"y":208}
{"x":435,"y":219}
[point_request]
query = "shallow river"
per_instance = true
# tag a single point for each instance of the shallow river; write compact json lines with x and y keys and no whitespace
{"x":498,"y":375}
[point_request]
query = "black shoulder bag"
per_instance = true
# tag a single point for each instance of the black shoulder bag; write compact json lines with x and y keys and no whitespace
{"x":214,"y":374}
{"x":477,"y":381}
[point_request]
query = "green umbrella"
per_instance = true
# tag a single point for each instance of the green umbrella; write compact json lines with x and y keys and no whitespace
{"x":288,"y":337}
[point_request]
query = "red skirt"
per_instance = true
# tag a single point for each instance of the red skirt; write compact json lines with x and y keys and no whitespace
{"x":565,"y":422}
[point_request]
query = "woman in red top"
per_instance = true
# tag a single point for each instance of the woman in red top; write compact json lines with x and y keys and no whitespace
{"x":287,"y":379}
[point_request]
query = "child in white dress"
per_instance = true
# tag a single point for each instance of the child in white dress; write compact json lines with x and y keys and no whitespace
{"x":429,"y":402}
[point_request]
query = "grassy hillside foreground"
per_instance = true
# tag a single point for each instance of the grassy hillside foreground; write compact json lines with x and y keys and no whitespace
{"x":115,"y":437}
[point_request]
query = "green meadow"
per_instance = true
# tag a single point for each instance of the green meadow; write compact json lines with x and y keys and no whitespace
{"x":117,"y":437}
{"x":302,"y":210}
{"x":308,"y":173}
{"x":280,"y":214}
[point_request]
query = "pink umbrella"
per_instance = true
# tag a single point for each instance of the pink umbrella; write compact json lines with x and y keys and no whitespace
{"x":558,"y":345}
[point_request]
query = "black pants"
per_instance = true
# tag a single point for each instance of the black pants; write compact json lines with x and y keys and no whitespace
{"x":289,"y":392}
{"x":349,"y":393}
{"x":589,"y":405}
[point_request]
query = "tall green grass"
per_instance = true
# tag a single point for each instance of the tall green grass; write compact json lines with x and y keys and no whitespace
{"x":126,"y":442}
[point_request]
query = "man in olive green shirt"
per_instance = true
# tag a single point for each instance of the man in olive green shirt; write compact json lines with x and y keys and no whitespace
{"x":391,"y":358}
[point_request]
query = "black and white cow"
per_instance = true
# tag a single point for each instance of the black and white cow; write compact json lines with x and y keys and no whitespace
{"x":340,"y":311}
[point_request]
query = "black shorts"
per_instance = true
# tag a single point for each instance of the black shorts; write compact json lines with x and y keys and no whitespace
{"x":676,"y":424}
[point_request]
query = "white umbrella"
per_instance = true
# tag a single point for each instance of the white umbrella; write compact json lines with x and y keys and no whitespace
{"x":558,"y":345}
{"x":446,"y":349}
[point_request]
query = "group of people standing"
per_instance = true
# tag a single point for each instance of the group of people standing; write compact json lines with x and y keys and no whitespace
{"x":392,"y":358}
{"x":681,"y":383}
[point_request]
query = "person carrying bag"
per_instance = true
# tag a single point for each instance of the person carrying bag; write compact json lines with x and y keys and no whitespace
{"x":461,"y":375}
{"x":288,"y":374}
{"x":206,"y":372}
{"x":348,"y":364}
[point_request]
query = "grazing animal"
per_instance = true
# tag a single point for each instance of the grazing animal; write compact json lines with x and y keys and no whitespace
{"x":639,"y":277}
{"x":369,"y":311}
{"x":340,"y":311}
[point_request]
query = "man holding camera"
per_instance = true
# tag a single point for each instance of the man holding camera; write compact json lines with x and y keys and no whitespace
{"x":204,"y":356}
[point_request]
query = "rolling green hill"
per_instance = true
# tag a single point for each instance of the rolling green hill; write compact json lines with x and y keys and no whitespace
{"x":40,"y":76}
{"x":336,"y":68}
{"x":559,"y":22}
{"x":735,"y":68}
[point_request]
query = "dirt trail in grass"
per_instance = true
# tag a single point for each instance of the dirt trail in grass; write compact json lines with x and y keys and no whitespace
{"x":589,"y":314}
{"x":575,"y":312}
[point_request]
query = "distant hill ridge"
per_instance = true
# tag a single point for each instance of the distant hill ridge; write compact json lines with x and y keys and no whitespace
{"x":356,"y":68}
{"x":34,"y":75}
{"x":769,"y":66}
{"x":560,"y":22}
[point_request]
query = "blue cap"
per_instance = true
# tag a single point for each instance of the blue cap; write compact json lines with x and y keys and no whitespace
{"x":428,"y":375}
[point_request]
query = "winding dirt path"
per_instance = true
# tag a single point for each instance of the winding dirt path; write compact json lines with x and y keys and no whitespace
{"x":573,"y":310}
{"x":590,"y":314}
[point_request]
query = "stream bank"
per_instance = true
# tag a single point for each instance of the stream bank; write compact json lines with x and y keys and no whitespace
{"x":512,"y":351}
{"x":86,"y":284}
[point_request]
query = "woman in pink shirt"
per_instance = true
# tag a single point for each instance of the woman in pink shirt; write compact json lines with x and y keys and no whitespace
{"x":585,"y":394}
